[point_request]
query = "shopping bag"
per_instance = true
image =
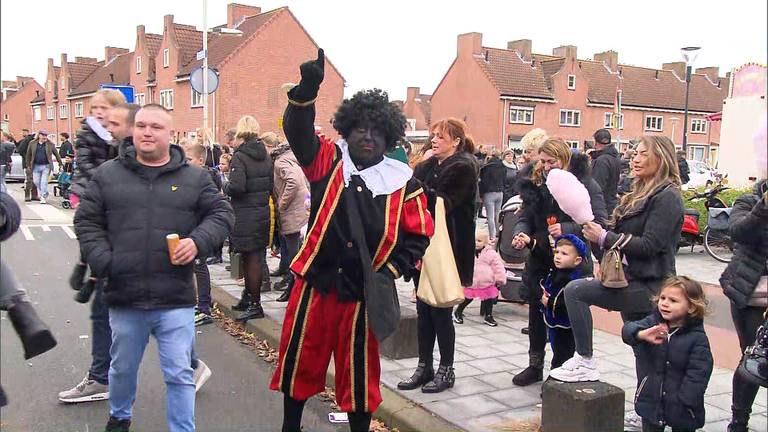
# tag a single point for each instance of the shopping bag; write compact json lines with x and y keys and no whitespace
{"x":439,"y":282}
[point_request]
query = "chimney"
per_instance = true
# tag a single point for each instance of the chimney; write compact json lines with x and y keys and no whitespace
{"x":469,"y":44}
{"x":609,"y":58}
{"x":712,"y":72}
{"x":111,"y":52}
{"x":86,"y":60}
{"x":167,"y":24}
{"x":412,"y":93}
{"x":566,"y":51}
{"x":63,"y":59}
{"x":522,"y":47}
{"x":677,"y":67}
{"x":236,"y":12}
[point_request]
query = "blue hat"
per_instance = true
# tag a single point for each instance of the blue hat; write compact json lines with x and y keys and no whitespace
{"x":578,"y":243}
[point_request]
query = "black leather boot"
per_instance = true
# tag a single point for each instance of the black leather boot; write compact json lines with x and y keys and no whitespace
{"x":34,"y":334}
{"x":422,"y":375}
{"x":245,"y":301}
{"x":739,"y":420}
{"x":77,"y":278}
{"x":444,"y":379}
{"x":533,"y":373}
{"x":115,"y":425}
{"x":254,"y":311}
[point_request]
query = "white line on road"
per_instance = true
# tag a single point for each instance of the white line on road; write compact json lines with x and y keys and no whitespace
{"x":49,"y":213}
{"x":27,"y":233}
{"x":45,"y":227}
{"x":69,"y":231}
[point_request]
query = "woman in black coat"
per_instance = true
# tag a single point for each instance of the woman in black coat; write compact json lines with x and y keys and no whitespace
{"x":745,"y":283}
{"x":250,"y":187}
{"x":510,"y":175}
{"x":533,"y":230}
{"x":451,"y":173}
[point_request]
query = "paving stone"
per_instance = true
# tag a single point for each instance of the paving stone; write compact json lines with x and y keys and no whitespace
{"x":518,"y":397}
{"x":758,"y":423}
{"x":716,"y":426}
{"x":620,"y":380}
{"x":484,"y":423}
{"x":520,"y":361}
{"x":408,"y":363}
{"x":456,"y":410}
{"x":465,"y":369}
{"x":714,"y":413}
{"x":480,"y":352}
{"x":722,"y":401}
{"x":607,"y":366}
{"x":500,"y":380}
{"x":474,"y":341}
{"x":762,"y":398}
{"x":519,"y":347}
{"x":719,"y":384}
{"x":420,"y":397}
{"x":468,"y":330}
{"x":389,"y":365}
{"x":493,"y":364}
{"x":466,"y":386}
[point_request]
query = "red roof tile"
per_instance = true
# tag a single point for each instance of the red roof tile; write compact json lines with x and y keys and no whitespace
{"x":153,"y":44}
{"x":549,"y":67}
{"x":190,"y":42}
{"x":512,"y":76}
{"x":119,"y":68}
{"x":78,"y":72}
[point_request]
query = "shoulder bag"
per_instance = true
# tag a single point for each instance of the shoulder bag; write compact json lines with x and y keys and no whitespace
{"x":439,"y":282}
{"x":612,"y":268}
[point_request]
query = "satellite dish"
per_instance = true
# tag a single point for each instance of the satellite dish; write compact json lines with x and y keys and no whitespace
{"x":196,"y":80}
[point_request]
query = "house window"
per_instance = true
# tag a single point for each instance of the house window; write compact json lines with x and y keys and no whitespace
{"x":63,"y":111}
{"x":166,"y":57}
{"x":63,"y":85}
{"x":698,"y":126}
{"x":36,"y":112}
{"x":138,"y":64}
{"x":571,"y":82}
{"x":522,"y":115}
{"x":5,"y":117}
{"x":570,"y":118}
{"x":572,"y":144}
{"x":608,"y":121}
{"x":166,"y":99}
{"x":654,"y":123}
{"x":697,"y":153}
{"x":197,"y":99}
{"x":48,"y":85}
{"x":140,"y":99}
{"x":411,"y":124}
{"x":78,"y":109}
{"x":49,"y":112}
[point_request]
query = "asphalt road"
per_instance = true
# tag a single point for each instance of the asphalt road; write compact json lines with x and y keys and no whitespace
{"x":236,"y":398}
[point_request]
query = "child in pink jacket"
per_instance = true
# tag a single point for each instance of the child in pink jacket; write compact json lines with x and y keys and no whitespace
{"x":489,"y":273}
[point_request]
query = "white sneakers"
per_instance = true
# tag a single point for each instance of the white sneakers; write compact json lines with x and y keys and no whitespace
{"x":576,"y":369}
{"x":87,"y":390}
{"x":201,"y":374}
{"x":632,"y":422}
{"x":42,"y":200}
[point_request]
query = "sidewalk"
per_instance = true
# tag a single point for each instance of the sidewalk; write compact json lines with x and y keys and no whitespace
{"x":487,"y":358}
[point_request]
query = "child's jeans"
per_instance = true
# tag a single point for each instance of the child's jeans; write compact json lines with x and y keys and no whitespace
{"x":650,"y":427}
{"x":563,"y":345}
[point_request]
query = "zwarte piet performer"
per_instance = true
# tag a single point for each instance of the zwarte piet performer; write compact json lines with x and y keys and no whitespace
{"x":369,"y":225}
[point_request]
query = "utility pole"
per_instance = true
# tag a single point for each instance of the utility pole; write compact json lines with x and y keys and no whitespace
{"x":205,"y":73}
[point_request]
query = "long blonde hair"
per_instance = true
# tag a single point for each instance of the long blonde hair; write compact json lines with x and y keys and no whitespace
{"x":667,"y":173}
{"x":558,"y":149}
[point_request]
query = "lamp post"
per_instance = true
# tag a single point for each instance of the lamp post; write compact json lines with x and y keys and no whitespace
{"x":689,"y":55}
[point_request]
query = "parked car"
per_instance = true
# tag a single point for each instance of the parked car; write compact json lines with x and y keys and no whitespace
{"x":17,"y":172}
{"x":700,"y":174}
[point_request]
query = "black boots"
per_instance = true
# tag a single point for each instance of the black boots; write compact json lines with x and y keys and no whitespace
{"x":444,"y":379}
{"x":245,"y":301}
{"x":284,"y":296}
{"x":533,"y":373}
{"x":739,"y":420}
{"x":115,"y":425}
{"x":77,"y":278}
{"x":421,"y":376}
{"x":34,"y":334}
{"x":254,"y":311}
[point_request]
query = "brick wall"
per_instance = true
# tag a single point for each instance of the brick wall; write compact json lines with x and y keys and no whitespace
{"x":18,"y":110}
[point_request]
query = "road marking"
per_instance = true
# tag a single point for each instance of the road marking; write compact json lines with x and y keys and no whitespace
{"x":49,"y":213}
{"x":45,"y":227}
{"x":27,"y":233}
{"x":69,"y":231}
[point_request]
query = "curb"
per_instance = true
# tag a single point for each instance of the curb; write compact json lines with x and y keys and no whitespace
{"x":395,"y":411}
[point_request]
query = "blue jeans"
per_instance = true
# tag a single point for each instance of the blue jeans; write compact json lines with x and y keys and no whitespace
{"x":174,"y":331}
{"x":40,"y":175}
{"x":101,"y":337}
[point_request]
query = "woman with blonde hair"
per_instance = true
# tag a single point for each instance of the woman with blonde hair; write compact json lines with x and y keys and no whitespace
{"x":652,"y":213}
{"x":540,"y":220}
{"x":531,"y":142}
{"x":250,"y":188}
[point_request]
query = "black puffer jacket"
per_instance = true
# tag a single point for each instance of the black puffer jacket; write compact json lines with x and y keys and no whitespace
{"x":606,"y":170}
{"x":91,"y":151}
{"x":678,"y":373}
{"x":749,"y":231}
{"x":454,"y":180}
{"x":123,"y":219}
{"x":492,"y":176}
{"x":538,"y":205}
{"x":10,"y":216}
{"x":250,"y":186}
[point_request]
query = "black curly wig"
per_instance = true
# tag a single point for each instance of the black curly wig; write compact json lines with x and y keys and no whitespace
{"x":371,"y":107}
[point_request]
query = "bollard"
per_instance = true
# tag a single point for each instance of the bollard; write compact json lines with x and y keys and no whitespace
{"x":581,"y":407}
{"x":403,"y":343}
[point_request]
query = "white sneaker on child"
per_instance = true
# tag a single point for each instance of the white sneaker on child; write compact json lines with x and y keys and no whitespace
{"x":632,"y":422}
{"x":576,"y":369}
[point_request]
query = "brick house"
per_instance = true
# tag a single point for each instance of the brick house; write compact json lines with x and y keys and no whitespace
{"x":254,"y":53}
{"x":417,"y":108}
{"x":503,"y":93}
{"x":14,"y":107}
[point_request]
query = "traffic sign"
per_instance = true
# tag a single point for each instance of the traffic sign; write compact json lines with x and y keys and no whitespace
{"x":196,"y":79}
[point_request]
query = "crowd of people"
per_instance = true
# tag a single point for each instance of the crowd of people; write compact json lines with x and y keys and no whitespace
{"x":347,"y":218}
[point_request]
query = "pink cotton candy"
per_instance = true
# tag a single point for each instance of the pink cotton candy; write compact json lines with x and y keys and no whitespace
{"x":571,"y":195}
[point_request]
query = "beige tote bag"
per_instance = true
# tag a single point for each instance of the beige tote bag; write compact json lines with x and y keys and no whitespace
{"x":439,"y":283}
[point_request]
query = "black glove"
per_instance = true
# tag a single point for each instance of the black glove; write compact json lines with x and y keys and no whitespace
{"x":312,"y":73}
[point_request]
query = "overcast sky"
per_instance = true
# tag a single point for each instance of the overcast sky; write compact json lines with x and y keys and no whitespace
{"x":394,"y":44}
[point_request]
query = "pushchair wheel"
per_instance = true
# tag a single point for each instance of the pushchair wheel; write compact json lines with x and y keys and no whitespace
{"x":66,"y":205}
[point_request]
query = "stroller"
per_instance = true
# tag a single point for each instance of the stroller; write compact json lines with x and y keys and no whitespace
{"x":63,"y":184}
{"x":514,"y":259}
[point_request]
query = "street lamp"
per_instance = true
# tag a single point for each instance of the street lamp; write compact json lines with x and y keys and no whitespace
{"x":689,"y":55}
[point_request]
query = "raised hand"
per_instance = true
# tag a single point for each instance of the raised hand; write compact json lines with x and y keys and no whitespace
{"x":312,"y":74}
{"x":655,"y":335}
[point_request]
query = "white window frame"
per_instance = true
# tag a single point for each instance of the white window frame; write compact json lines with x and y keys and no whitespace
{"x":573,"y":144}
{"x":5,"y":117}
{"x":63,"y":111}
{"x":196,"y":99}
{"x":521,"y":114}
{"x":138,"y":64}
{"x":140,"y":99}
{"x":50,"y":111}
{"x":608,"y":116}
{"x":411,"y":123}
{"x":166,"y":57}
{"x":692,"y":150}
{"x":78,"y":109}
{"x":571,"y":82}
{"x":37,"y":113}
{"x":166,"y":98}
{"x":701,"y":128}
{"x":654,"y":123}
{"x":575,"y":120}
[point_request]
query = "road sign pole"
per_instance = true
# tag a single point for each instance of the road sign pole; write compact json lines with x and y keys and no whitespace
{"x":205,"y":73}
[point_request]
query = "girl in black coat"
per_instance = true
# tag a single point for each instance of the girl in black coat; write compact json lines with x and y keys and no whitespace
{"x":250,"y":187}
{"x":674,"y":350}
{"x":451,"y":173}
{"x":540,"y":219}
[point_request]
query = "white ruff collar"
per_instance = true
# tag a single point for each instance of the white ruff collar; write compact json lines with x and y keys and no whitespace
{"x":97,"y":128}
{"x":383,"y":178}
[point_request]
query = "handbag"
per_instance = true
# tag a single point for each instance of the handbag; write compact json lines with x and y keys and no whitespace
{"x":439,"y":284}
{"x":612,"y":268}
{"x":754,"y":363}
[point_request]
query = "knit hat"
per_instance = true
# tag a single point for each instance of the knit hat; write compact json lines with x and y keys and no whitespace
{"x":578,"y":243}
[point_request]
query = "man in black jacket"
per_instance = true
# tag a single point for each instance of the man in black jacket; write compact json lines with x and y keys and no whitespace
{"x":606,"y":167}
{"x":30,"y":191}
{"x":131,"y":204}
